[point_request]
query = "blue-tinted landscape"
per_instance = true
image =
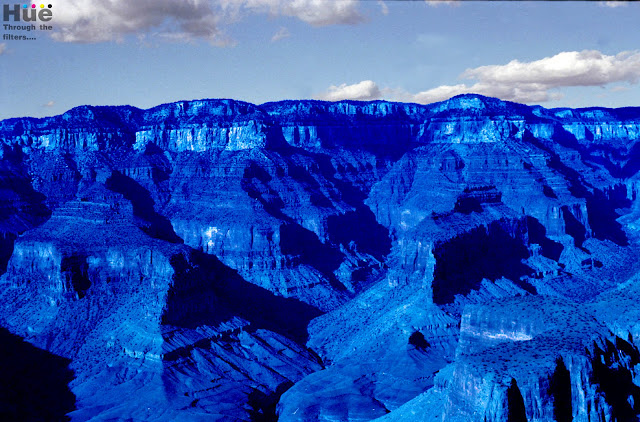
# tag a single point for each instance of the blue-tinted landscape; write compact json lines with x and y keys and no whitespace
{"x":466,"y":260}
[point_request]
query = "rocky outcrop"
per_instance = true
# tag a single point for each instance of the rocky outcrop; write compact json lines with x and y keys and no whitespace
{"x":531,"y":360}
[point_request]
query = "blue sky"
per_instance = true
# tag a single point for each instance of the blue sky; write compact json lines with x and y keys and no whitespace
{"x":147,"y":52}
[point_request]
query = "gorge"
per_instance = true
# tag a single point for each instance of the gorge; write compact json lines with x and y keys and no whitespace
{"x":467,"y":260}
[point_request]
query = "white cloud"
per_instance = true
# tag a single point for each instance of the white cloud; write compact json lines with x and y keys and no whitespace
{"x":184,"y":20}
{"x":281,"y":34}
{"x":91,"y":21}
{"x":3,"y":48}
{"x":362,"y":91}
{"x":49,"y":104}
{"x":437,"y":3}
{"x":525,"y":82}
{"x":613,"y":3}
{"x":571,"y":68}
{"x":432,"y":95}
{"x":384,"y":9}
{"x":314,"y":12}
{"x":504,"y":92}
{"x":536,"y":81}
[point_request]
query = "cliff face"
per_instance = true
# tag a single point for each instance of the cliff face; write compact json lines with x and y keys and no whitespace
{"x":316,"y":261}
{"x":530,"y":359}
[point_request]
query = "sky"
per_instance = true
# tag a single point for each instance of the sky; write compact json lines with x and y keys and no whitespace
{"x":148,"y":52}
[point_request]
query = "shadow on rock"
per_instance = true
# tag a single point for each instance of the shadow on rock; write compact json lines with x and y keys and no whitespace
{"x":616,"y":382}
{"x":603,"y":219}
{"x":207,"y":292}
{"x":515,"y":404}
{"x":485,"y":252}
{"x":560,"y":390}
{"x":35,"y":383}
{"x":154,"y":224}
{"x":361,"y":228}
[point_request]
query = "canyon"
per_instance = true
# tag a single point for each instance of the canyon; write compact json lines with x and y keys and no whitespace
{"x":467,"y":260}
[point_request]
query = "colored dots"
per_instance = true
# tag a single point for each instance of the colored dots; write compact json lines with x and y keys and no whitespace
{"x":24,"y":5}
{"x":42,"y":6}
{"x":33,"y":6}
{"x":50,"y":6}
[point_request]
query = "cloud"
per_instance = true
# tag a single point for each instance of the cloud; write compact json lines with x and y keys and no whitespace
{"x":323,"y":12}
{"x":504,"y":92}
{"x":432,"y":95}
{"x":613,"y":3}
{"x":535,"y":81}
{"x":437,"y":3}
{"x":362,"y":91}
{"x":88,"y":21}
{"x":49,"y":104}
{"x":281,"y":34}
{"x":314,"y":12}
{"x":91,"y":21}
{"x":525,"y":82}
{"x":384,"y":9}
{"x":3,"y":48}
{"x":571,"y":68}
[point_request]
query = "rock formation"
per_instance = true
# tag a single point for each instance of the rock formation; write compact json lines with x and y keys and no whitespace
{"x":468,"y":260}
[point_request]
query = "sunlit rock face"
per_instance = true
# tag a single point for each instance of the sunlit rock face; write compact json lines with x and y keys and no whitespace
{"x":469,"y":260}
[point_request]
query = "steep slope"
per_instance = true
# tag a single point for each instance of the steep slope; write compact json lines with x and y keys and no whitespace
{"x":306,"y":260}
